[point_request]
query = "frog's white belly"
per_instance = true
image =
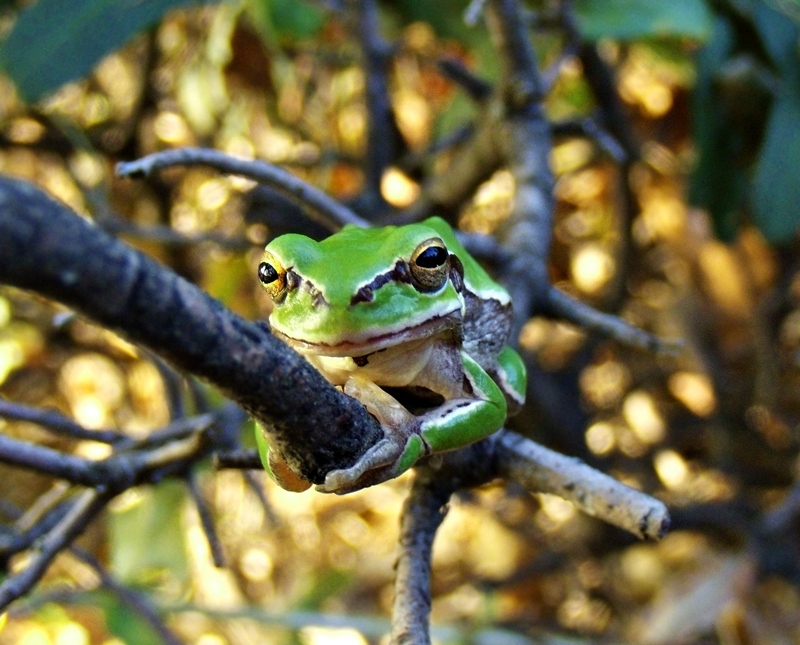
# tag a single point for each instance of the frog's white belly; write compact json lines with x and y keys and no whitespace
{"x":396,"y":366}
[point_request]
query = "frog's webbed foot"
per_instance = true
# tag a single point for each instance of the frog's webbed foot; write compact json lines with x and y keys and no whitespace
{"x":400,"y":447}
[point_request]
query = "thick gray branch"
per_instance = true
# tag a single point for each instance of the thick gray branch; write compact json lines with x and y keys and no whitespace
{"x":541,"y":470}
{"x":46,"y":248}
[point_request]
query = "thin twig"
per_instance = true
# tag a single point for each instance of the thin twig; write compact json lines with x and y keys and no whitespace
{"x":43,"y":505}
{"x":177,"y":429}
{"x":590,"y":128}
{"x":47,"y":461}
{"x":545,"y":471}
{"x":560,"y":305}
{"x":238,"y":459}
{"x":168,"y":236}
{"x":118,"y":472}
{"x":381,"y":127}
{"x":413,"y":161}
{"x":206,"y":520}
{"x":56,"y":422}
{"x":84,"y":509}
{"x":476,"y":88}
{"x":255,"y":485}
{"x":13,"y":541}
{"x":319,"y":205}
{"x":132,"y":599}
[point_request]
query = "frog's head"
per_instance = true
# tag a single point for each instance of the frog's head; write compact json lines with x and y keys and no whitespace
{"x":362,"y":289}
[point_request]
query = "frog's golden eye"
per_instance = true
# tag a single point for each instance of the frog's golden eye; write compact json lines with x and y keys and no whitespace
{"x":272,"y":275}
{"x":430,"y":264}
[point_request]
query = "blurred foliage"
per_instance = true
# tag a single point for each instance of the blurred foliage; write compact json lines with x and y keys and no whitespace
{"x":747,"y":165}
{"x":626,"y":20}
{"x":71,"y":36}
{"x":710,"y":90}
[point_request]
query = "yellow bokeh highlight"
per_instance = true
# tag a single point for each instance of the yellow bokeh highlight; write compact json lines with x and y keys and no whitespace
{"x":604,"y":384}
{"x":695,"y":391}
{"x":94,"y":386}
{"x":24,"y":130}
{"x":642,"y":569}
{"x":71,"y":634}
{"x":581,"y":612}
{"x":256,"y":564}
{"x":12,"y":356}
{"x":413,"y":117}
{"x":398,"y":189}
{"x":643,"y":417}
{"x":582,"y":188}
{"x":555,"y":510}
{"x":671,"y":468}
{"x":5,"y":312}
{"x":35,"y":635}
{"x":351,"y":124}
{"x":663,"y":215}
{"x":600,"y":438}
{"x":491,"y":204}
{"x":213,"y":193}
{"x":171,"y":127}
{"x":570,"y":155}
{"x":592,"y":267}
{"x":641,"y":83}
{"x":331,"y":636}
{"x":724,"y":279}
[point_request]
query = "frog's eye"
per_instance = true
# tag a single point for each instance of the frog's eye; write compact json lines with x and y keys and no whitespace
{"x":430,"y":264}
{"x":272,"y":275}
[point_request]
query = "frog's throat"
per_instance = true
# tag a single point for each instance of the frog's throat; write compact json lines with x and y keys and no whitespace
{"x":360,"y":347}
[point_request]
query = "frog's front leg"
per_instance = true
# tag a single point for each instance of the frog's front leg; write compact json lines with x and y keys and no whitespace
{"x":400,"y":447}
{"x":479,"y":412}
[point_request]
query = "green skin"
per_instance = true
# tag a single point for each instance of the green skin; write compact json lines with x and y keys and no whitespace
{"x":353,"y":306}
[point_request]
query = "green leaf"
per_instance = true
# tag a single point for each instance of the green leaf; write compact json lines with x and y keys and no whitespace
{"x":632,"y":19}
{"x":779,"y":34}
{"x":126,"y":625}
{"x":717,"y":182}
{"x":57,"y":41}
{"x":776,"y":185}
{"x":147,"y":539}
{"x":279,"y":20}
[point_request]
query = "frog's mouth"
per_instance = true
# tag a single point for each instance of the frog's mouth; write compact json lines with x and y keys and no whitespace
{"x":360,"y":348}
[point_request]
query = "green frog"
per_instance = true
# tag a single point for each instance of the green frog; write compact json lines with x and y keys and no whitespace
{"x":404,"y":320}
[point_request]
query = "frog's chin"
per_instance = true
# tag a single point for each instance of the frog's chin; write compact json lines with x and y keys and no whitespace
{"x":356,"y":347}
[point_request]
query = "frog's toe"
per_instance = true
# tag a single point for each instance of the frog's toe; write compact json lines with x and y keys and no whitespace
{"x":375,"y":466}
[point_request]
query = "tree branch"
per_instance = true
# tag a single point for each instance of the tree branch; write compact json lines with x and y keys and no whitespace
{"x":423,"y":512}
{"x":51,"y":251}
{"x":317,"y":204}
{"x":56,"y":423}
{"x":560,"y":305}
{"x":544,"y":471}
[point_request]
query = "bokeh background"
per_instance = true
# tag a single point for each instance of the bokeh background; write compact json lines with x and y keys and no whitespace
{"x":691,"y":235}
